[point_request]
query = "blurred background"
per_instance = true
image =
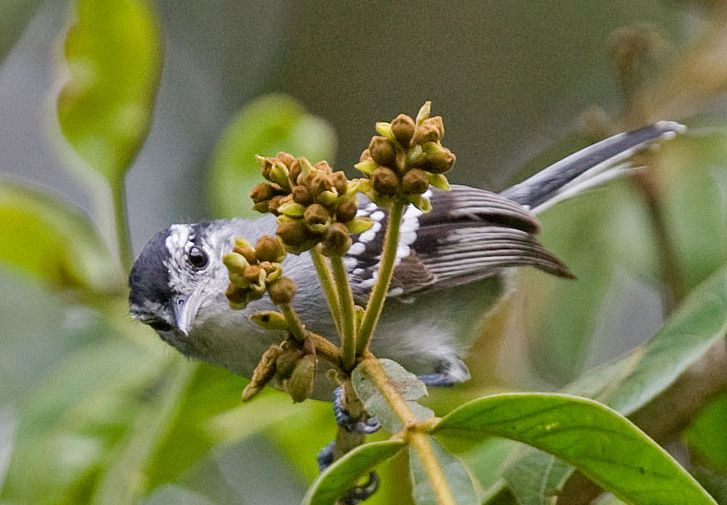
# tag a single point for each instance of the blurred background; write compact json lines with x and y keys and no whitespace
{"x":95,"y":409}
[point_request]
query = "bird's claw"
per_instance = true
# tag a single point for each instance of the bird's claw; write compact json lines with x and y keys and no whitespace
{"x":364,"y":427}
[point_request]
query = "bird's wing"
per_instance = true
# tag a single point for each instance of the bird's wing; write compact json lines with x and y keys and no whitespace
{"x":470,"y":234}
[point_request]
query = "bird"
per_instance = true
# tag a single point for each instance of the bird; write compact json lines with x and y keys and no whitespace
{"x":453,"y":266}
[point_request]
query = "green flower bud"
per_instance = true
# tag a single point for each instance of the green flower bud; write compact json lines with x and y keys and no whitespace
{"x":302,"y":195}
{"x":238,"y":281}
{"x":367,"y":167}
{"x":385,"y":181}
{"x":424,"y":112}
{"x":438,"y":159}
{"x":270,"y":320}
{"x":420,"y":202}
{"x":384,"y":129}
{"x":273,"y":271}
{"x":235,"y":263}
{"x":382,"y":151}
{"x":291,"y":209}
{"x":359,"y":225}
{"x":269,"y":248}
{"x":439,"y":181}
{"x":337,"y":240}
{"x":415,"y":181}
{"x":279,"y":174}
{"x":300,"y":384}
{"x":282,"y":291}
{"x":327,"y":198}
{"x":346,"y":210}
{"x":403,"y":127}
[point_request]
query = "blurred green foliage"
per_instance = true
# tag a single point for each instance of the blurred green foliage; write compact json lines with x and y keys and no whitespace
{"x":94,"y":409}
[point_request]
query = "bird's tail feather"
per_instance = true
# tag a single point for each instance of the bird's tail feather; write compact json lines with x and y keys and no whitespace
{"x":588,"y":167}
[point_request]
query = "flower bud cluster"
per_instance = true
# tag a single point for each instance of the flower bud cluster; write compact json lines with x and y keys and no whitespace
{"x":254,"y":270}
{"x":405,"y":158}
{"x":313,"y":203}
{"x":293,"y":366}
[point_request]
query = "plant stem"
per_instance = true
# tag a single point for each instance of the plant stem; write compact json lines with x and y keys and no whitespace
{"x":328,"y":285}
{"x":118,"y":193}
{"x":294,"y":323}
{"x":418,"y":440}
{"x":381,"y":288}
{"x":348,"y":333}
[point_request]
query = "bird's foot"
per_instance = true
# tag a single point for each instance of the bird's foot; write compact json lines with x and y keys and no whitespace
{"x":356,"y":494}
{"x":364,"y":427}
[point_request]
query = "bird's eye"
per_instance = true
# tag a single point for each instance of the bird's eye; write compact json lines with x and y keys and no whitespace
{"x":160,"y":325}
{"x":197,"y":257}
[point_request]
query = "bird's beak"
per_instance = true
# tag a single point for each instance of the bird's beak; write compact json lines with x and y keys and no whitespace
{"x":184,"y":311}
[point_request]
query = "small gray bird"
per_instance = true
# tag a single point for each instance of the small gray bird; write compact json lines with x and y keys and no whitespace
{"x":452,"y":268}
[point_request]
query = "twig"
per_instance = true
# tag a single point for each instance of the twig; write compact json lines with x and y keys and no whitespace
{"x":381,"y":288}
{"x":345,"y":296}
{"x":328,"y":285}
{"x":418,"y":439}
{"x":295,"y":325}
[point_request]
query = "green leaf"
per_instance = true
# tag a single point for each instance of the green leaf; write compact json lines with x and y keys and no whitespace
{"x":633,"y":381}
{"x":458,"y":478}
{"x":265,"y":126}
{"x":113,"y":58}
{"x":405,"y":382}
{"x":707,"y":437}
{"x":345,"y":472}
{"x":52,"y":242}
{"x":602,"y":444}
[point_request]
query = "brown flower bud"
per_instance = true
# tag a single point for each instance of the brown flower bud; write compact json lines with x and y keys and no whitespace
{"x":346,"y":210}
{"x":252,"y":273}
{"x":293,"y":233}
{"x":320,"y":183}
{"x":430,"y":130}
{"x":337,"y":240}
{"x":269,"y":248}
{"x":266,"y":164}
{"x":403,"y":127}
{"x":324,"y":167}
{"x":286,"y":158}
{"x":302,"y":195}
{"x":339,"y":181}
{"x":275,"y":202}
{"x":382,"y":151}
{"x":295,"y":170}
{"x":365,"y":155}
{"x":300,"y":384}
{"x":261,"y":192}
{"x":415,"y":181}
{"x":282,"y":291}
{"x":245,"y":251}
{"x":285,"y":364}
{"x":439,"y":159}
{"x":316,"y":214}
{"x":385,"y":181}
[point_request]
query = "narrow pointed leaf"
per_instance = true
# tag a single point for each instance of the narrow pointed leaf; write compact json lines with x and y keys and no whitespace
{"x":113,"y":58}
{"x":344,"y":473}
{"x":602,"y":444}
